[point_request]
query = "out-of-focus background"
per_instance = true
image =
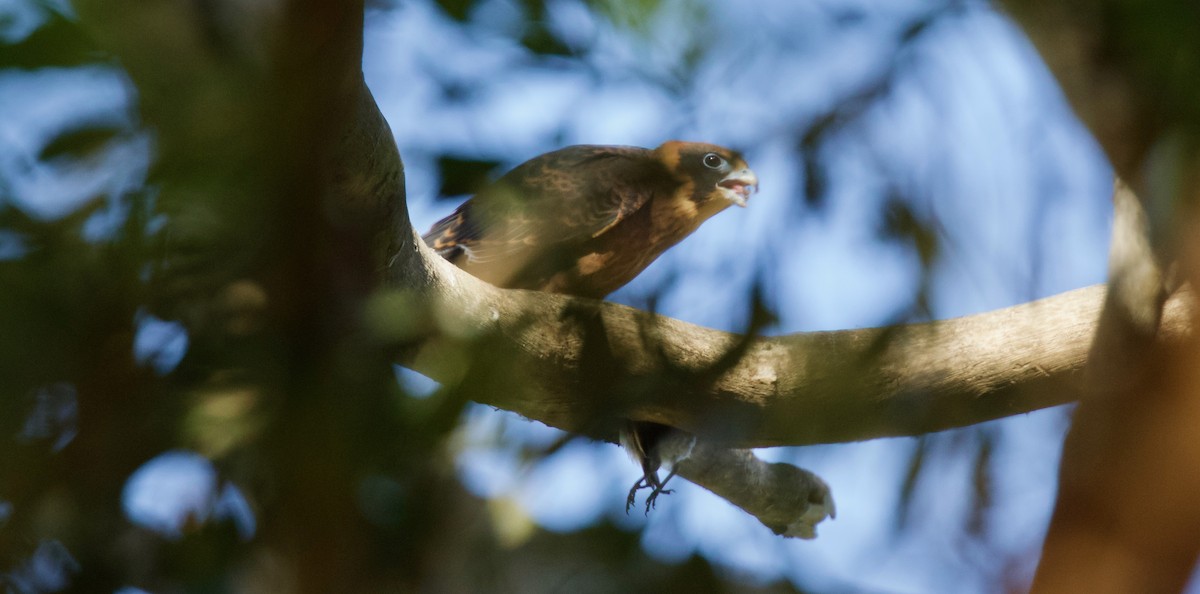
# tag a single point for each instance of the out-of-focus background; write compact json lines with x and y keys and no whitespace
{"x":916,"y":159}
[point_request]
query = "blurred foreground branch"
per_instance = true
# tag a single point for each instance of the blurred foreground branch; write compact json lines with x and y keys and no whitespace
{"x":1126,"y":516}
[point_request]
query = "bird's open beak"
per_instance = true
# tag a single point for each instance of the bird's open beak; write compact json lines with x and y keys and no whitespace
{"x":737,"y":186}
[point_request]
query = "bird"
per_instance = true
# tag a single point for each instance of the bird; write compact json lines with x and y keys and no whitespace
{"x":584,"y":220}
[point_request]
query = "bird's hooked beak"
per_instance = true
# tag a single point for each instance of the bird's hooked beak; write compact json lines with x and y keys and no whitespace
{"x":737,"y":186}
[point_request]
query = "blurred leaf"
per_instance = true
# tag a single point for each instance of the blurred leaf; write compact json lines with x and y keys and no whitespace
{"x":464,"y":176}
{"x":458,"y":10}
{"x":538,"y":38}
{"x":816,"y":182}
{"x":64,"y":231}
{"x":845,"y":16}
{"x":982,"y":483}
{"x":53,"y":417}
{"x":542,"y":41}
{"x":223,"y":418}
{"x":535,"y":10}
{"x":1159,"y":44}
{"x":455,"y":91}
{"x":915,"y":28}
{"x":58,"y":42}
{"x":827,"y":125}
{"x":633,"y":15}
{"x":810,"y":145}
{"x":902,"y":224}
{"x":80,"y":141}
{"x":908,"y":489}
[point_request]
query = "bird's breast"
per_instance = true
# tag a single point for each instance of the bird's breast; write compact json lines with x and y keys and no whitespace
{"x":612,"y":259}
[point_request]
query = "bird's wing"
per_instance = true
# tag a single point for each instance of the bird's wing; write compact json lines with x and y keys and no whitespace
{"x":447,"y":235}
{"x":605,"y":186}
{"x":550,"y":202}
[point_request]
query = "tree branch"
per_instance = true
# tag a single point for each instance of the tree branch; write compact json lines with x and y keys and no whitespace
{"x":1125,"y":514}
{"x":529,"y":353}
{"x":807,"y":388}
{"x":790,"y":501}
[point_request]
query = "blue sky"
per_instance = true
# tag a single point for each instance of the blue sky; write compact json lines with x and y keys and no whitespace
{"x":973,"y":134}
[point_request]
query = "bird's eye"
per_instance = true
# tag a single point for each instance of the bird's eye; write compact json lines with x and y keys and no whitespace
{"x":713,"y":161}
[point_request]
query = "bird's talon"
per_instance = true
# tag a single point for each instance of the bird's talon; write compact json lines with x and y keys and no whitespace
{"x":652,"y":500}
{"x":638,"y":486}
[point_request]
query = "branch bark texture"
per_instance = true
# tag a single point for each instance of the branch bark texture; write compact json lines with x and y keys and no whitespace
{"x":800,"y":389}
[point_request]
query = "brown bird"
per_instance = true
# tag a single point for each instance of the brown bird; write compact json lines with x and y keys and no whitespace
{"x":584,"y":220}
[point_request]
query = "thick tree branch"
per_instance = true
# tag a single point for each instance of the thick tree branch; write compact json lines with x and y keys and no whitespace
{"x":1130,"y":441}
{"x":806,"y":388}
{"x":1126,"y":518}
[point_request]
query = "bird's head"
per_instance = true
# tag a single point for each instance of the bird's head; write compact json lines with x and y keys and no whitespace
{"x":716,"y":172}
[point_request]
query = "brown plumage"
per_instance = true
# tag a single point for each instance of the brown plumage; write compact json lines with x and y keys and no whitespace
{"x":584,"y":220}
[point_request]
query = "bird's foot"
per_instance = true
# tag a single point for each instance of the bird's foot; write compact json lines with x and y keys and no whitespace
{"x":652,"y":499}
{"x":657,"y":487}
{"x":641,"y":483}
